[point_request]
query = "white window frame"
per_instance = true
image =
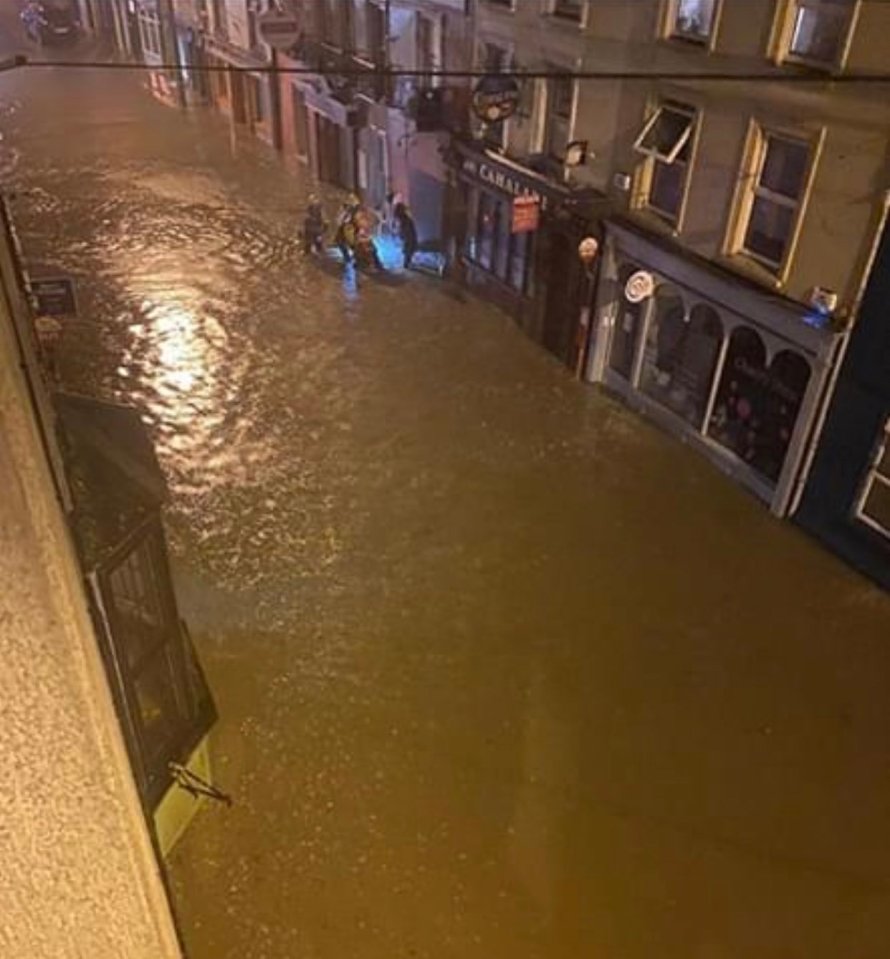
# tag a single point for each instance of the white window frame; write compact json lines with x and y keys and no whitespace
{"x":874,"y":476}
{"x":756,"y":191}
{"x":648,"y":173}
{"x":788,"y":19}
{"x":149,"y":20}
{"x":671,"y":31}
{"x":650,"y":124}
{"x":758,"y":267}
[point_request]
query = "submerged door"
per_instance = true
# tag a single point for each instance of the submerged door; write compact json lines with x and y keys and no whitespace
{"x":561,"y":309}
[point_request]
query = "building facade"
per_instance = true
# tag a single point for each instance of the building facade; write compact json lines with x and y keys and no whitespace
{"x":846,"y":503}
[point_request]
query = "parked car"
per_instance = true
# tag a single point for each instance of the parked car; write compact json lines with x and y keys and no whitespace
{"x":50,"y":24}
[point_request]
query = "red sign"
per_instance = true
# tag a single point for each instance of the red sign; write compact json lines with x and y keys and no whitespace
{"x":526,"y":214}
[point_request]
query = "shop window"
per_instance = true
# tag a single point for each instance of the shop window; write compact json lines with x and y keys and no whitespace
{"x":558,"y":120}
{"x":819,"y":30}
{"x":757,"y":404}
{"x":776,"y":193}
{"x":666,"y":132}
{"x":680,"y":356}
{"x":491,"y":245}
{"x":692,"y":20}
{"x":874,"y":504}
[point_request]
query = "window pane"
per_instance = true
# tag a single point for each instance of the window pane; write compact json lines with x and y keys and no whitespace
{"x":769,"y":230}
{"x":819,"y":32}
{"x":502,"y":239}
{"x":666,"y":187}
{"x":561,"y":94}
{"x":157,"y":703}
{"x":485,"y":247}
{"x":784,"y":166}
{"x":877,"y":505}
{"x":694,"y":18}
{"x":667,"y":131}
{"x":138,"y":609}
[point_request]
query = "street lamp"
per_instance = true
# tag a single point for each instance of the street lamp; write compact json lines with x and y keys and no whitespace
{"x":588,"y":249}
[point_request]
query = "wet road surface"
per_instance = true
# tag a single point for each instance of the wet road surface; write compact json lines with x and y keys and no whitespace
{"x":502,"y":671}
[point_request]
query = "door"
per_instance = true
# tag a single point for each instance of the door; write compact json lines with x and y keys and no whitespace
{"x":561,"y":311}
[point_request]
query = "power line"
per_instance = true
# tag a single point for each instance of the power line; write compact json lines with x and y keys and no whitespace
{"x":845,"y":79}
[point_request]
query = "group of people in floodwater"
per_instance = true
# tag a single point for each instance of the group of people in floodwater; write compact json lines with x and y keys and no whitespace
{"x":354,"y":232}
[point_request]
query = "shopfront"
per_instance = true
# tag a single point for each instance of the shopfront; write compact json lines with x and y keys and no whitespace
{"x":721,"y":362}
{"x":516,"y":243}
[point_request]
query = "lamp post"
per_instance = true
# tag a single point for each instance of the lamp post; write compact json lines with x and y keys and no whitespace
{"x":588,"y":249}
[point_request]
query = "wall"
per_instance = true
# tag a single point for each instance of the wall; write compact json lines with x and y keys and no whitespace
{"x":79,"y":876}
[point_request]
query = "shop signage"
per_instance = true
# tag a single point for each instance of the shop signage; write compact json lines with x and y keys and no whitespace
{"x":639,"y":287}
{"x":502,"y":179}
{"x":526,"y":214}
{"x":54,"y":296}
{"x":495,"y":98}
{"x":278,"y":29}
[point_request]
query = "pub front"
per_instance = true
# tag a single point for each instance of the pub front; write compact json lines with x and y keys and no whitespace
{"x":515,"y":242}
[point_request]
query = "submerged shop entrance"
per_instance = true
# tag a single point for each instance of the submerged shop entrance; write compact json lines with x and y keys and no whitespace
{"x":673,"y":340}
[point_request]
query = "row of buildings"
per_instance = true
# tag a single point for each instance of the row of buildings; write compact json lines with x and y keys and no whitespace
{"x":735,"y":179}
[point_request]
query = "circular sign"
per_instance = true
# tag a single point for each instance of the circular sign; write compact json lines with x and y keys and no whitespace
{"x":588,"y":249}
{"x":278,"y":29}
{"x":640,"y":286}
{"x":495,"y":98}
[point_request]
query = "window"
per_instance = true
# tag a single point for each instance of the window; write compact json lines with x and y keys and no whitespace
{"x":501,"y":3}
{"x":150,"y":30}
{"x":666,"y":132}
{"x":874,"y":505}
{"x":692,"y":20}
{"x":780,"y":173}
{"x":220,"y":24}
{"x":257,"y":99}
{"x":819,"y":30}
{"x":557,"y":132}
{"x":568,"y":10}
{"x":346,"y":10}
{"x":495,"y":59}
{"x":491,"y":245}
{"x":429,"y":48}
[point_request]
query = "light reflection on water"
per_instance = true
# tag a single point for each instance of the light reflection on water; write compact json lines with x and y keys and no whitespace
{"x":501,"y":670}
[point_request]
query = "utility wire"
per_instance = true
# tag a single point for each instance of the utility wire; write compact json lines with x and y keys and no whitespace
{"x":845,"y":79}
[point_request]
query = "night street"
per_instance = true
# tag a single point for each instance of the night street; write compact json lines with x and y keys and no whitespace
{"x":502,"y":670}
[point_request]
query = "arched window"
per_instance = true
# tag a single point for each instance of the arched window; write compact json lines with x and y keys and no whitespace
{"x":757,"y":406}
{"x":681,"y":354}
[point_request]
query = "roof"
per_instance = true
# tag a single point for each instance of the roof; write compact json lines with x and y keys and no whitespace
{"x":114,"y":474}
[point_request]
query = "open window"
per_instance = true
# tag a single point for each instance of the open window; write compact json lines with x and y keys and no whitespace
{"x":666,"y":132}
{"x":874,"y":503}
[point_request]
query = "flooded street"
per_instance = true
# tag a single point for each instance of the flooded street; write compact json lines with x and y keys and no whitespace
{"x":502,"y":671}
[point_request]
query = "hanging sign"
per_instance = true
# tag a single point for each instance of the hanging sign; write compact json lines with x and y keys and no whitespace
{"x":526,"y":214}
{"x":54,"y":296}
{"x":495,"y":98}
{"x":279,"y":30}
{"x":639,"y":287}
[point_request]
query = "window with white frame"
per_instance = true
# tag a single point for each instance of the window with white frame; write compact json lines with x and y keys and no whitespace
{"x":666,"y":141}
{"x":572,"y":10}
{"x":874,"y":504}
{"x":150,"y":29}
{"x":692,"y":19}
{"x":777,"y":187}
{"x":666,"y":132}
{"x":819,"y":30}
{"x":430,"y":55}
{"x":558,"y":122}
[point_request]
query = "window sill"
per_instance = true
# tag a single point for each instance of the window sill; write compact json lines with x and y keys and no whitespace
{"x":563,"y":23}
{"x":651,"y":219}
